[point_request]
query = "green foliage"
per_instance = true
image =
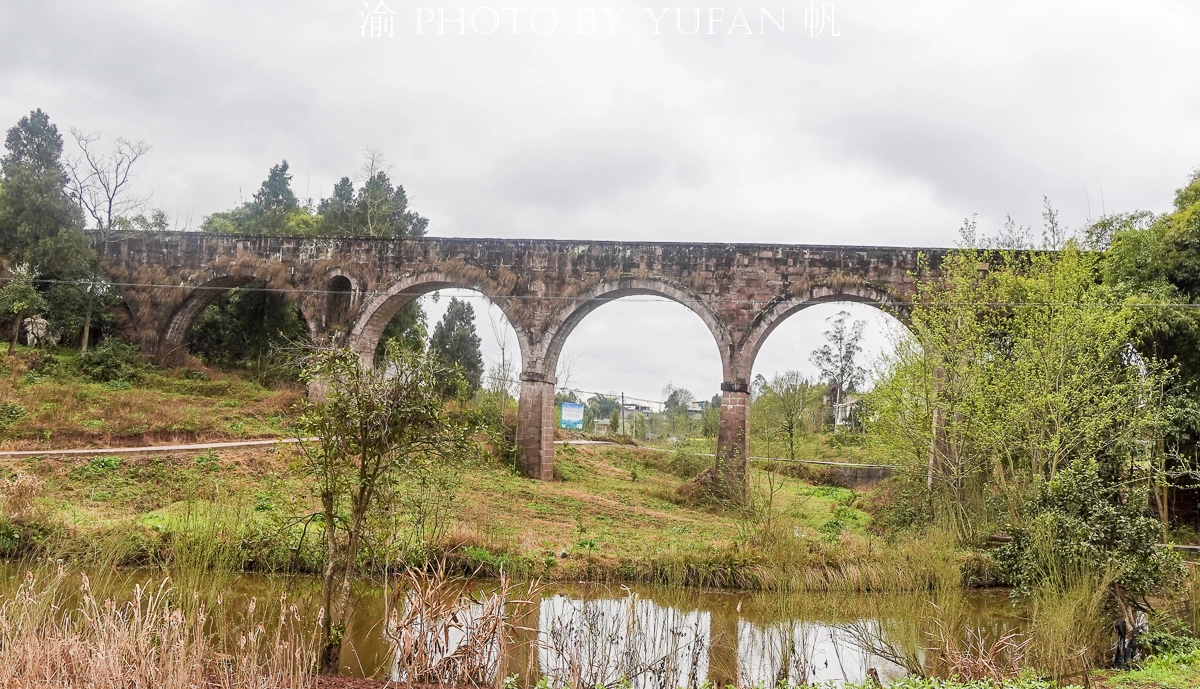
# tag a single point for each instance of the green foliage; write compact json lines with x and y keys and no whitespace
{"x":377,"y":209}
{"x":789,"y":407}
{"x":407,"y":327}
{"x":1079,"y":522}
{"x":382,"y":433}
{"x":112,"y":361}
{"x":687,"y":464}
{"x":247,"y":328}
{"x":1011,"y":374}
{"x":39,"y":224}
{"x":455,"y":346}
{"x":19,"y":298}
{"x":10,"y":413}
{"x":102,"y":465}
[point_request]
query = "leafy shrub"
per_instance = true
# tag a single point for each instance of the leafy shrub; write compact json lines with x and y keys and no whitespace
{"x":1080,"y":523}
{"x":102,"y":465}
{"x":112,"y":360}
{"x":10,"y":413}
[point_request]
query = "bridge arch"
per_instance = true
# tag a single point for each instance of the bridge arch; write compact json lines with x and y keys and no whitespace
{"x":559,"y":327}
{"x":178,"y":324}
{"x":379,"y":309}
{"x":781,"y":309}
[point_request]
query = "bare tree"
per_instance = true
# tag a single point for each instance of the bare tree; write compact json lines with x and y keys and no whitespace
{"x":503,"y":374}
{"x":567,"y":368}
{"x":101,"y":185}
{"x":101,"y":180}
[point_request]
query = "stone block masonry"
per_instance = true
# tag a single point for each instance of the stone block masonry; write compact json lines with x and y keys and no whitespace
{"x":348,"y":290}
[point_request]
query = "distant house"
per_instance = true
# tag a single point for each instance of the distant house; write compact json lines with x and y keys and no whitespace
{"x":602,"y":426}
{"x":846,"y":413}
{"x":696,"y":409}
{"x":632,"y":408}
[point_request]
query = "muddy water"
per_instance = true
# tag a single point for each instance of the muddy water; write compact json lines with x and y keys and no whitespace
{"x":739,"y":638}
{"x":680,"y":637}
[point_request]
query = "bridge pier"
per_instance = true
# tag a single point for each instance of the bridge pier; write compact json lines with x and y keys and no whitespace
{"x":535,"y":425}
{"x":733,"y":442}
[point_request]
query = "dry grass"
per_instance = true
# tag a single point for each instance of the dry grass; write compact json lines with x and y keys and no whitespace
{"x":52,"y":636}
{"x":65,"y":410}
{"x":441,"y":634}
{"x":18,"y":496}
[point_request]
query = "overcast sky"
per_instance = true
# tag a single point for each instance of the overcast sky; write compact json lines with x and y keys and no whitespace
{"x":915,"y":115}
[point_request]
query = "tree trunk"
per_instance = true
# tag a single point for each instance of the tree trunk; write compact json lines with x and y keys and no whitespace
{"x":87,"y":323}
{"x":330,"y":648}
{"x":12,"y":344}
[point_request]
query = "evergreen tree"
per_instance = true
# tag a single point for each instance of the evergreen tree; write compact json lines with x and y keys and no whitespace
{"x":454,"y":343}
{"x":407,"y":326}
{"x":39,"y":224}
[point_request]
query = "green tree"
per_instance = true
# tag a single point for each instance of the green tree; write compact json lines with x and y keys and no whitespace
{"x":244,"y":328}
{"x":274,"y":210}
{"x":375,"y":430}
{"x":407,"y":327}
{"x":792,"y":404}
{"x":19,"y":299}
{"x":455,"y":345}
{"x":985,"y":402}
{"x":710,"y":420}
{"x":377,"y":209}
{"x":39,"y":223}
{"x":837,"y":359}
{"x":1019,"y":404}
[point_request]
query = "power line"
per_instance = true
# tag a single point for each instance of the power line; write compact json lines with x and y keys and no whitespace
{"x":250,"y":287}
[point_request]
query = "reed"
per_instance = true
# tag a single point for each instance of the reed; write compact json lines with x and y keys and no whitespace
{"x":53,"y":634}
{"x":441,"y":633}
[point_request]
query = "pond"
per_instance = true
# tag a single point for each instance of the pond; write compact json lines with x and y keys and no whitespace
{"x":584,"y":634}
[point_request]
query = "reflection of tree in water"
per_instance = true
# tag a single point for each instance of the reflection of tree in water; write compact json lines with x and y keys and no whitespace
{"x":601,"y":643}
{"x":796,"y":653}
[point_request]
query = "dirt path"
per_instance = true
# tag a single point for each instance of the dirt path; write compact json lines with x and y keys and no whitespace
{"x":148,"y":448}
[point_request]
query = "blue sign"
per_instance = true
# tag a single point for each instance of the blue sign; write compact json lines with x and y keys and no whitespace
{"x":572,"y":416}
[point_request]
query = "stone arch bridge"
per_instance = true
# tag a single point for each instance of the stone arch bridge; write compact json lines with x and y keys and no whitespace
{"x":348,"y":290}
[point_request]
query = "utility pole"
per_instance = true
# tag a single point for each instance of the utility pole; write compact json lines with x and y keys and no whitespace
{"x":622,"y":413}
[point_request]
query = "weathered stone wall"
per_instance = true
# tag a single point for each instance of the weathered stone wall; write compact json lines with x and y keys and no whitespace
{"x":544,"y":287}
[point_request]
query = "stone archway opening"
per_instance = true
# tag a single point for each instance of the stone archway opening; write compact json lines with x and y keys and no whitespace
{"x":246,"y":327}
{"x":649,"y":350}
{"x":794,"y":402}
{"x":338,"y":294}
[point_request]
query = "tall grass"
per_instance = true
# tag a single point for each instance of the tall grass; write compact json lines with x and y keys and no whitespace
{"x":53,"y":634}
{"x":440,"y":633}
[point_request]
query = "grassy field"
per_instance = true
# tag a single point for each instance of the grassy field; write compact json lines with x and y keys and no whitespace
{"x":618,"y":512}
{"x":49,"y":405}
{"x":1170,"y":671}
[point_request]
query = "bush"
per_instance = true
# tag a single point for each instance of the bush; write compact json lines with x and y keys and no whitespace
{"x":1081,"y":524}
{"x":112,"y":361}
{"x":10,"y":413}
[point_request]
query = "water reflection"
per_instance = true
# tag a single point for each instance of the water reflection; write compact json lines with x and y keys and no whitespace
{"x":601,"y":641}
{"x":589,"y":635}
